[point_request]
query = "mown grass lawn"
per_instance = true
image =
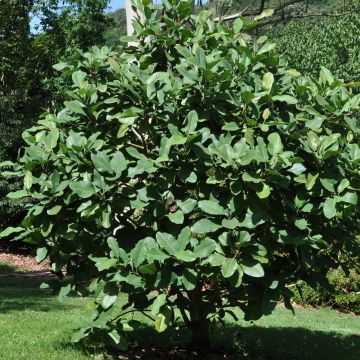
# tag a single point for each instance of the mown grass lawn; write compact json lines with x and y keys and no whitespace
{"x":35,"y":325}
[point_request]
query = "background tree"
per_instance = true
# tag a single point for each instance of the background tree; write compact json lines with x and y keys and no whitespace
{"x":117,"y":29}
{"x":29,"y":83}
{"x":17,"y":96}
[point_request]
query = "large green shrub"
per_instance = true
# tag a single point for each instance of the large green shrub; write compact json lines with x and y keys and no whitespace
{"x":191,"y":173}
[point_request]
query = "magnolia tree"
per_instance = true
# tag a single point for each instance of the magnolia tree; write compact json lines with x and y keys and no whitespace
{"x":193,"y":174}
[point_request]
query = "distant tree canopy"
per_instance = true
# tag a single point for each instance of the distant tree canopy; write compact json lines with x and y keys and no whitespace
{"x":27,"y":78}
{"x":310,"y":43}
{"x":116,"y":29}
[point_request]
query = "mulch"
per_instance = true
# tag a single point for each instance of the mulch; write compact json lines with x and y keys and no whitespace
{"x":25,"y":263}
{"x":21,"y":256}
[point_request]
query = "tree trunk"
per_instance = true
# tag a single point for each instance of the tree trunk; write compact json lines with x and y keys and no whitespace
{"x":201,"y":335}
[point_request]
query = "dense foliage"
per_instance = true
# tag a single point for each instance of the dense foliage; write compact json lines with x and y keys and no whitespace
{"x":28,"y":81}
{"x":16,"y":97}
{"x":310,"y":33}
{"x":310,"y":43}
{"x":343,"y":293}
{"x":117,"y":29}
{"x":193,"y":174}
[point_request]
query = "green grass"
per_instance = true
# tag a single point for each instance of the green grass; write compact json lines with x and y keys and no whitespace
{"x":8,"y":268}
{"x":35,"y":325}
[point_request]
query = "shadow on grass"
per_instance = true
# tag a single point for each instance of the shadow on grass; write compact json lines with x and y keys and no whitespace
{"x":19,"y":293}
{"x":7,"y":268}
{"x":291,"y":343}
{"x":245,"y":343}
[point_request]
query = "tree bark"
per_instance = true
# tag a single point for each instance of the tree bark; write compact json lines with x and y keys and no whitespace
{"x":200,"y":330}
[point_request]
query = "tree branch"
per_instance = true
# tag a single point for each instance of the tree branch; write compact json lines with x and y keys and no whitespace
{"x":281,"y":7}
{"x":302,"y":16}
{"x":245,"y":12}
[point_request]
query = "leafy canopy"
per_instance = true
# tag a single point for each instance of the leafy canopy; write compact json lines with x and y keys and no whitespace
{"x":191,"y":173}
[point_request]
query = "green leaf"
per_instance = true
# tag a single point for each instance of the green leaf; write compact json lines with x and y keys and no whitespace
{"x":139,"y":253}
{"x":75,"y":106}
{"x":54,"y":138}
{"x":83,"y":188}
{"x":350,"y":198}
{"x":228,"y":267}
{"x":266,"y":114}
{"x":314,"y":140}
{"x":28,"y":180}
{"x":343,"y":185}
{"x":211,"y":207}
{"x":268,"y":81}
{"x":285,"y":98}
{"x":64,"y":291}
{"x":147,"y":269}
{"x":205,"y":226}
{"x":297,"y":169}
{"x":60,"y":66}
{"x":155,"y":254}
{"x":185,"y":255}
{"x":114,"y":246}
{"x":329,"y":208}
{"x":75,"y":141}
{"x":200,"y":57}
{"x":230,"y":126}
{"x":101,"y":162}
{"x":162,"y":323}
{"x":54,"y":210}
{"x":123,"y":129}
{"x":118,"y":163}
{"x":205,"y":248}
{"x":189,"y":279}
{"x":167,"y":242}
{"x":301,"y":224}
{"x":243,"y":239}
{"x":187,"y":206}
{"x":105,"y":219}
{"x":265,"y":192}
{"x":17,"y":194}
{"x":255,"y":271}
{"x":230,"y":223}
{"x":41,"y":254}
{"x":128,"y":116}
{"x":191,"y":122}
{"x":183,"y":238}
{"x":104,"y":263}
{"x":275,"y":145}
{"x":264,"y":14}
{"x":311,"y":181}
{"x":108,"y":301}
{"x":216,"y":259}
{"x":159,"y":301}
{"x":251,"y":176}
{"x":266,"y":48}
{"x":78,"y":78}
{"x":238,"y":24}
{"x":10,"y":230}
{"x":176,"y":217}
{"x":328,"y":184}
{"x":326,"y":76}
{"x":118,"y":340}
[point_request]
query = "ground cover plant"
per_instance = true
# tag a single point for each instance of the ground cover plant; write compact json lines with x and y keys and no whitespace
{"x":193,"y":174}
{"x":343,"y":295}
